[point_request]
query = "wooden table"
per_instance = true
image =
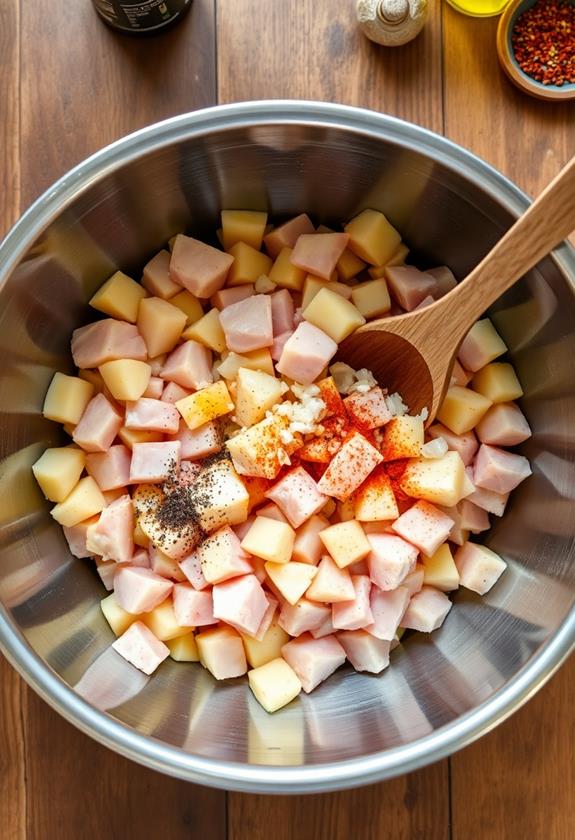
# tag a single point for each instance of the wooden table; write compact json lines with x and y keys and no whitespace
{"x":68,"y":86}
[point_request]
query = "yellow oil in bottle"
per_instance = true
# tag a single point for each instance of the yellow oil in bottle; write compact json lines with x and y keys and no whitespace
{"x":479,"y":8}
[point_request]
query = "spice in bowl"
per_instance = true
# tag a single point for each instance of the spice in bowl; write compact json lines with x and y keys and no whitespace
{"x":543,"y":42}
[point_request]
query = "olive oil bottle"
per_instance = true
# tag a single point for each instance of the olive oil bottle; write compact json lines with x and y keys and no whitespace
{"x":141,"y":17}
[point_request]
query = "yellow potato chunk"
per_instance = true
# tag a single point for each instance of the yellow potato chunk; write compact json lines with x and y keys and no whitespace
{"x":312,"y":285}
{"x":346,"y":542}
{"x":398,"y":258}
{"x":66,"y":398}
{"x":255,"y":451}
{"x":440,"y":570}
{"x":439,"y":480}
{"x":243,"y":226}
{"x":372,"y":237}
{"x":481,"y":345}
{"x":274,"y":684}
{"x":348,"y":266}
{"x":497,"y":382}
{"x":126,"y":379}
{"x":374,"y":500}
{"x":270,"y":647}
{"x":211,"y":402}
{"x":222,"y":652}
{"x":402,"y":438}
{"x":254,"y":360}
{"x":291,"y":579}
{"x":208,"y":331}
{"x":58,"y":471}
{"x":140,"y":538}
{"x":333,"y":314}
{"x":162,"y":622}
{"x":190,"y":306}
{"x":184,"y":648}
{"x":256,"y":393}
{"x":131,"y":436}
{"x":371,"y":298}
{"x":248,"y":264}
{"x":160,"y":324}
{"x":224,"y":498}
{"x":285,"y":274}
{"x":84,"y":501}
{"x":119,"y":297}
{"x":462,"y":409}
{"x":270,"y":539}
{"x":118,"y":619}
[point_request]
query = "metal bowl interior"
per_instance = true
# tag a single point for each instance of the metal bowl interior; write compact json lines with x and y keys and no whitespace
{"x":442,"y":691}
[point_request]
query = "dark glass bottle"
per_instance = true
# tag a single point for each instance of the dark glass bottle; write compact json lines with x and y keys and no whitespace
{"x":141,"y":17}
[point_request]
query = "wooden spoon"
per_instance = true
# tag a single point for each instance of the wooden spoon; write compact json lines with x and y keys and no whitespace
{"x":414,"y":353}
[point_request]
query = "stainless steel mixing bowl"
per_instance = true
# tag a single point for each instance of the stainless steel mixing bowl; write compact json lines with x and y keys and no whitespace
{"x":442,"y":691}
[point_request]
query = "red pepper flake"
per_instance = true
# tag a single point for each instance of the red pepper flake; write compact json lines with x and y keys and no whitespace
{"x":543,"y":41}
{"x":395,"y":470}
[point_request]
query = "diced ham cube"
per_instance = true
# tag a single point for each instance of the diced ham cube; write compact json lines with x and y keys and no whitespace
{"x":503,"y":425}
{"x":139,"y":590}
{"x":199,"y":443}
{"x":192,"y":569}
{"x":98,"y":426}
{"x":387,"y":609}
{"x":473,"y":517}
{"x":489,"y":500}
{"x":141,"y":648}
{"x":368,"y":410}
{"x":427,"y":301}
{"x":426,"y":610}
{"x":105,"y":341}
{"x":308,"y":547}
{"x":110,"y":469}
{"x":297,"y":496}
{"x":364,"y":651}
{"x":497,"y":470}
{"x":303,"y":616}
{"x":424,"y":526}
{"x":390,"y":561}
{"x":241,"y":603}
{"x":479,"y":568}
{"x":414,"y":580}
{"x":152,"y":415}
{"x":222,"y":556}
{"x":247,"y":325}
{"x":156,"y":277}
{"x":465,"y":444}
{"x":279,"y":343}
{"x":268,"y":616}
{"x":189,"y":365}
{"x":356,"y":613}
{"x":165,"y":566}
{"x":192,"y":607}
{"x":318,"y":253}
{"x":173,"y":393}
{"x":76,"y":537}
{"x":155,"y":388}
{"x":444,"y":280}
{"x":141,"y":558}
{"x":112,"y":537}
{"x":200,"y":268}
{"x":324,"y":629}
{"x":154,"y":462}
{"x":286,"y":235}
{"x":282,"y":311}
{"x":460,"y":376}
{"x":306,"y":353}
{"x":225,"y":297}
{"x":271,"y":511}
{"x":408,"y":285}
{"x":107,"y":572}
{"x":331,"y":585}
{"x":349,"y":467}
{"x":313,"y":660}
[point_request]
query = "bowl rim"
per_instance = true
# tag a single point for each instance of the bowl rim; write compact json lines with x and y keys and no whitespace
{"x":173,"y":760}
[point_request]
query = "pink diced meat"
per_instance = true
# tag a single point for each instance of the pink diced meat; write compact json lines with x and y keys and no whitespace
{"x":107,"y":572}
{"x":76,"y":537}
{"x":112,"y":537}
{"x":282,"y":311}
{"x":247,"y":325}
{"x":98,"y":426}
{"x":241,"y":529}
{"x":241,"y":603}
{"x":189,"y":365}
{"x":473,"y":517}
{"x":186,"y":474}
{"x":308,"y":547}
{"x":139,"y":590}
{"x":503,"y":425}
{"x":331,"y":584}
{"x":199,"y":443}
{"x":351,"y":615}
{"x":165,"y":566}
{"x":465,"y":444}
{"x":154,"y":462}
{"x":105,"y":341}
{"x":364,"y":651}
{"x":286,"y":235}
{"x":155,"y":388}
{"x":157,"y":363}
{"x":110,"y":469}
{"x":156,"y":277}
{"x":297,"y":496}
{"x":426,"y":610}
{"x":318,"y":253}
{"x":303,"y":616}
{"x":479,"y":569}
{"x":271,"y":511}
{"x":427,"y":301}
{"x":369,"y":410}
{"x":489,"y":500}
{"x":349,"y":467}
{"x":141,"y":558}
{"x":313,"y":660}
{"x":414,"y":580}
{"x":192,"y":569}
{"x":390,"y":561}
{"x":498,"y":470}
{"x":306,"y":353}
{"x":297,"y":317}
{"x":200,"y":268}
{"x":225,"y":297}
{"x":424,"y":526}
{"x":460,"y":376}
{"x":408,"y":285}
{"x":233,"y":560}
{"x":444,"y":280}
{"x":193,"y":608}
{"x":324,"y":629}
{"x":152,"y":415}
{"x":387,"y":609}
{"x":141,"y":648}
{"x":173,"y":392}
{"x":279,"y":343}
{"x":268,"y":616}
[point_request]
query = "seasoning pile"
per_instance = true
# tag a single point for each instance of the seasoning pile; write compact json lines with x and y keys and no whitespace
{"x":543,"y":41}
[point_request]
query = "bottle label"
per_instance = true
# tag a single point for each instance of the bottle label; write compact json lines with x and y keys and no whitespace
{"x":142,"y":15}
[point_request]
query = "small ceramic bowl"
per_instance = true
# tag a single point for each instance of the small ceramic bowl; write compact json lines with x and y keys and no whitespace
{"x":510,"y":65}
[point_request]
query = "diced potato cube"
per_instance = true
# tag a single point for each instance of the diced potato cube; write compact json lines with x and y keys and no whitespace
{"x":205,"y":405}
{"x":346,"y":542}
{"x":285,"y":274}
{"x":291,"y":579}
{"x":248,"y":264}
{"x":190,"y":306}
{"x":222,"y":653}
{"x":184,"y":648}
{"x":371,"y":298}
{"x":349,"y":265}
{"x":312,"y":285}
{"x":119,"y":297}
{"x":257,"y":392}
{"x":156,"y":277}
{"x":126,"y":379}
{"x":162,"y":622}
{"x":160,"y":325}
{"x":374,"y":500}
{"x":399,"y":256}
{"x":140,"y":538}
{"x":440,"y":480}
{"x":131,"y":436}
{"x":402,"y":438}
{"x":333,"y":314}
{"x":462,"y":409}
{"x":254,"y":360}
{"x":440,"y":570}
{"x":256,"y":451}
{"x":208,"y":331}
{"x":270,"y":540}
{"x":481,"y":345}
{"x":118,"y":619}
{"x":58,"y":471}
{"x":274,"y":684}
{"x":224,"y":497}
{"x":243,"y":226}
{"x":260,"y":652}
{"x":497,"y":382}
{"x":66,"y":398}
{"x":84,"y":501}
{"x":372,"y":237}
